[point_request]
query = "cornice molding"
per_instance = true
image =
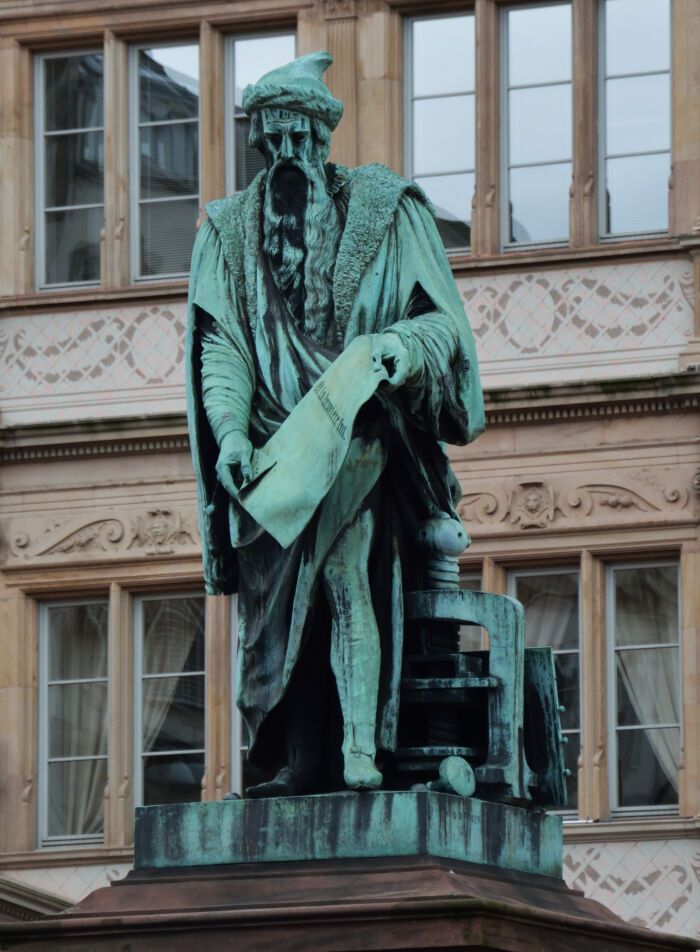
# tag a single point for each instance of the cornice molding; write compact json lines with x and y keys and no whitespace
{"x":95,"y":448}
{"x":556,"y":403}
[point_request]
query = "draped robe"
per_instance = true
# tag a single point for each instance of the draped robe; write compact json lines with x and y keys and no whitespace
{"x":247,"y":354}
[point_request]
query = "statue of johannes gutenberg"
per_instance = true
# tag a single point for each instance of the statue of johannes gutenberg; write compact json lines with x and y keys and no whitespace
{"x":328,"y":358}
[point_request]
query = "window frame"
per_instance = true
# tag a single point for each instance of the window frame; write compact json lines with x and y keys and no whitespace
{"x":138,"y":678}
{"x":409,"y":99}
{"x":605,"y":237}
{"x":134,"y":163}
{"x":44,"y":840}
{"x":40,"y":282}
{"x":239,"y":744}
{"x":615,"y":810}
{"x":229,"y":143}
{"x":513,"y":574}
{"x":504,"y":165}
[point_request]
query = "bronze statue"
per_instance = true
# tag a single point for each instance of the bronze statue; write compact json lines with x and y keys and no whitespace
{"x":329,"y":358}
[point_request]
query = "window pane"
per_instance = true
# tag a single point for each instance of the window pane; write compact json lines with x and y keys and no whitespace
{"x":173,"y":779}
{"x":647,"y":767}
{"x":73,"y":91}
{"x":551,"y":609}
{"x":248,"y":162}
{"x":637,"y":193}
{"x":443,"y":134}
{"x":539,"y":203}
{"x":167,"y":235}
{"x":75,"y":797}
{"x":638,"y":114}
{"x":73,"y":245}
{"x":173,"y":713}
{"x":451,"y":196}
{"x":170,"y":160}
{"x":637,"y":35}
{"x":443,"y":55}
{"x":169,"y":83}
{"x":646,"y":605}
{"x":567,"y":668}
{"x":74,"y":169}
{"x":77,"y":641}
{"x":173,"y":635}
{"x":253,"y":58}
{"x":77,"y":720}
{"x":540,"y":124}
{"x":539,"y":44}
{"x":648,"y":686}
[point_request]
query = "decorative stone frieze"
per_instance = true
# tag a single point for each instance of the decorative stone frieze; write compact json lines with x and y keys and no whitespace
{"x":157,"y":531}
{"x":560,"y":504}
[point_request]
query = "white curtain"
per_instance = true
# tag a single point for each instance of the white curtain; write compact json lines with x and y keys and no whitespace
{"x":170,"y":628}
{"x":551,"y":608}
{"x":646,"y":614}
{"x":78,"y":719}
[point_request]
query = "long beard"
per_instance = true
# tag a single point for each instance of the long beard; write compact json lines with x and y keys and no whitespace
{"x":301,"y":234}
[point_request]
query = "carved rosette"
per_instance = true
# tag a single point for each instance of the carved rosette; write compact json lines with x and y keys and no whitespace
{"x":338,"y":9}
{"x":160,"y":532}
{"x":532,"y":505}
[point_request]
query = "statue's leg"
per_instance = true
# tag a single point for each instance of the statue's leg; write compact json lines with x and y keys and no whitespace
{"x":355,"y":651}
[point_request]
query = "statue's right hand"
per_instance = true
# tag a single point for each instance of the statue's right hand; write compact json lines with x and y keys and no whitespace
{"x":233,"y":467}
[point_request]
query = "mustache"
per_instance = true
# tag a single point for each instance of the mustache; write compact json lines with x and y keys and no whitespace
{"x":288,"y":186}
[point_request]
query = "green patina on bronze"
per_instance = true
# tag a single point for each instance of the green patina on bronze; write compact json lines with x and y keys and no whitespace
{"x":329,"y":360}
{"x":346,"y":826}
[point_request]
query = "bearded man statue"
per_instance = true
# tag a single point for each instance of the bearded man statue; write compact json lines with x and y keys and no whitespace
{"x":329,"y":358}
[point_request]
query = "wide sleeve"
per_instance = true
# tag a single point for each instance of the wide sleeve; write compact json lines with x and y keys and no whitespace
{"x":444,"y":392}
{"x":220,"y":384}
{"x":227,"y":367}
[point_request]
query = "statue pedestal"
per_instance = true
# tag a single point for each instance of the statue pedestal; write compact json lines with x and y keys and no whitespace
{"x":406,"y":900}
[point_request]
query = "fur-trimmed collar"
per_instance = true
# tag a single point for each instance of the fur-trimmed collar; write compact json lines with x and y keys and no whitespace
{"x":374,"y":193}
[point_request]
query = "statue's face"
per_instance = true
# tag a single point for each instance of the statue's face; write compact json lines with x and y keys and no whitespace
{"x":287,"y":137}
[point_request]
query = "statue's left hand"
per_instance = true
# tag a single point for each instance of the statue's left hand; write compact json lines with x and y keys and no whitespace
{"x":394,"y":354}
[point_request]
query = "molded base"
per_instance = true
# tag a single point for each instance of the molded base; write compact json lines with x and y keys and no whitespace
{"x":348,"y":826}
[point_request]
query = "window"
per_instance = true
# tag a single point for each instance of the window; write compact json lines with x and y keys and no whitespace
{"x":69,"y":138}
{"x":440,"y":120}
{"x":73,"y":718}
{"x":537,"y":124}
{"x":248,"y":59}
{"x":551,"y":601}
{"x":169,"y":677}
{"x":165,"y":159}
{"x":635,"y":104}
{"x":644,"y":685}
{"x":491,"y":102}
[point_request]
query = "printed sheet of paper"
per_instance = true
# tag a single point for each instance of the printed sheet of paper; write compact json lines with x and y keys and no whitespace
{"x":297,"y":466}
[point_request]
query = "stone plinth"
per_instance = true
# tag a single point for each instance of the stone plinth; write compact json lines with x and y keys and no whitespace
{"x":411,"y":904}
{"x":348,"y":825}
{"x":341,"y":873}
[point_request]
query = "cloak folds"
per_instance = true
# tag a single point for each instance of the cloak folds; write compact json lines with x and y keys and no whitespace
{"x":248,"y":362}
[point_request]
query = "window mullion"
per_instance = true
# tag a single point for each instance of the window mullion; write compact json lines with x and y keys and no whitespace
{"x":593,"y":778}
{"x":485,"y":235}
{"x":212,"y":171}
{"x":219,"y":716}
{"x":583,"y":207}
{"x":119,"y":802}
{"x":689,"y":610}
{"x":115,"y":247}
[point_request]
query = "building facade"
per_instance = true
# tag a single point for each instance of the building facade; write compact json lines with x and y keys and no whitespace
{"x":559,"y":142}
